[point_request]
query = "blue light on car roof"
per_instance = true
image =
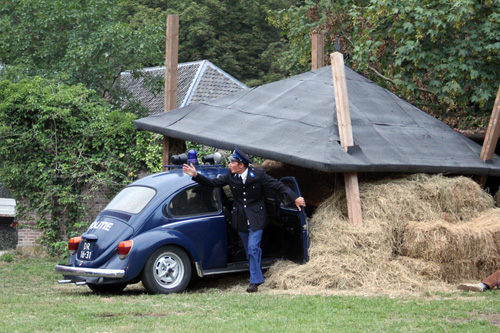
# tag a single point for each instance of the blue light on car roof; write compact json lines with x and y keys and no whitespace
{"x":192,"y":158}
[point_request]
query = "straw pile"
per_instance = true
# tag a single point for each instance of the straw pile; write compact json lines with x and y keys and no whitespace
{"x":420,"y":232}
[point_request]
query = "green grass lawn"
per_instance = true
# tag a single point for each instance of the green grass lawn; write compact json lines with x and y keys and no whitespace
{"x":32,"y":301}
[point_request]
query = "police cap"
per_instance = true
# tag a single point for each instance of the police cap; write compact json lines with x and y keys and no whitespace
{"x":239,"y":156}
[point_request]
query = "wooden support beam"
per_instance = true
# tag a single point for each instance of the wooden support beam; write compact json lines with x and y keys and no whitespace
{"x":493,"y":131}
{"x":346,"y":138}
{"x":171,"y":62}
{"x":171,"y":146}
{"x":317,"y":51}
{"x":341,"y":100}
{"x":491,"y":137}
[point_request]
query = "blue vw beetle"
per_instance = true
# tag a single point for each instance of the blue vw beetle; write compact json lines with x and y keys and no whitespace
{"x":165,"y":229}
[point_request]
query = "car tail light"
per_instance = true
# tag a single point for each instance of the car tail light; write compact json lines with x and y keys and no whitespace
{"x":73,"y":244}
{"x":124,"y":248}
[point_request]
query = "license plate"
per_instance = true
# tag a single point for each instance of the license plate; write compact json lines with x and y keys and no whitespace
{"x":86,"y":252}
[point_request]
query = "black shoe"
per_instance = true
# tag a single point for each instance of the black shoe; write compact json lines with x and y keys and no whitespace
{"x":252,"y":288}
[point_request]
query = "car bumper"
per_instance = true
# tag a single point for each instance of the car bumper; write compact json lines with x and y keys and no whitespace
{"x":92,"y":272}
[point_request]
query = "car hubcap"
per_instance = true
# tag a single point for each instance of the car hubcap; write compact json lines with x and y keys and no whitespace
{"x":168,"y":270}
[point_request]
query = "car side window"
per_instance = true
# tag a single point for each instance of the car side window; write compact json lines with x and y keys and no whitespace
{"x":197,"y":200}
{"x":285,"y":201}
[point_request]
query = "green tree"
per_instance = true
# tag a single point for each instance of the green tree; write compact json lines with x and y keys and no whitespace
{"x":92,"y":41}
{"x":441,"y":55}
{"x":89,"y":42}
{"x":59,"y":144}
{"x":234,"y":35}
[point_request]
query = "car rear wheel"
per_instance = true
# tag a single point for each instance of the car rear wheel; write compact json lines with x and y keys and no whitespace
{"x":107,"y":288}
{"x":168,"y":270}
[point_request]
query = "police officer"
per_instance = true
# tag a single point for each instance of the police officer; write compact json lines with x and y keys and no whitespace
{"x":249,"y":215}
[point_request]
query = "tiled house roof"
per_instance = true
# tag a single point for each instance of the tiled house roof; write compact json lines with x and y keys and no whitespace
{"x":196,"y":82}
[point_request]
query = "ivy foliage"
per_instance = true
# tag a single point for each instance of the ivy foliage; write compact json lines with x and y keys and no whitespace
{"x":59,"y":144}
{"x":441,"y":55}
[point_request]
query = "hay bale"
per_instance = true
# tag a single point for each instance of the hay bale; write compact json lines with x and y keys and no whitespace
{"x":423,"y":197}
{"x":412,"y":234}
{"x":465,"y":250}
{"x":444,"y":242}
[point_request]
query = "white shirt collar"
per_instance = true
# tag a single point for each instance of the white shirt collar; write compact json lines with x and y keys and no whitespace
{"x":244,"y":176}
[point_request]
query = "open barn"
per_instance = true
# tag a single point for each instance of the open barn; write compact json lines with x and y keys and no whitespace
{"x":398,"y":149}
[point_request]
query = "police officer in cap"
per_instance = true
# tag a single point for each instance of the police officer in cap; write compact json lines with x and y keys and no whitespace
{"x":249,"y":215}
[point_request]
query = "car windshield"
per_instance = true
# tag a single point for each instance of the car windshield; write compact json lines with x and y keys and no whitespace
{"x":132,"y":199}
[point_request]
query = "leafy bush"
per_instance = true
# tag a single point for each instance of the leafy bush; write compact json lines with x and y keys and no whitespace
{"x":59,"y":144}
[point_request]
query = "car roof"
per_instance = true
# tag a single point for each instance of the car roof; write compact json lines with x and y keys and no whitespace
{"x":171,"y":180}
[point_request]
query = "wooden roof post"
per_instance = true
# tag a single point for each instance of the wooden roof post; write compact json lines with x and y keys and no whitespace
{"x":171,"y":146}
{"x":346,"y":138}
{"x":317,"y":51}
{"x":171,"y":62}
{"x":491,"y":137}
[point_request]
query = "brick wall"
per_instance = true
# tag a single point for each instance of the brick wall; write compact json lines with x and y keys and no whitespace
{"x":97,"y":202}
{"x":27,"y":238}
{"x":28,"y":233}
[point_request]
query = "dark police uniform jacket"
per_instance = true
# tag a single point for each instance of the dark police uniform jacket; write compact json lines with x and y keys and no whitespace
{"x":248,"y":207}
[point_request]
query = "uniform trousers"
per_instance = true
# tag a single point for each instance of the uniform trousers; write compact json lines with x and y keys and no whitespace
{"x":493,"y":280}
{"x":251,"y":242}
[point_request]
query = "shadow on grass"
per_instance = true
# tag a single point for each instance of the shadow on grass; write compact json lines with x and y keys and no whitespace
{"x":235,"y":282}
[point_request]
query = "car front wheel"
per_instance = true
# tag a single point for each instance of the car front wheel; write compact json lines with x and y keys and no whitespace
{"x":168,"y":270}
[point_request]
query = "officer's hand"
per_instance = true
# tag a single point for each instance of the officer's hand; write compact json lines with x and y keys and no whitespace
{"x":300,"y":202}
{"x":189,"y":169}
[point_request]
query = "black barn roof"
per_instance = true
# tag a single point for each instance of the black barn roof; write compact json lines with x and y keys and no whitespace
{"x":294,"y":121}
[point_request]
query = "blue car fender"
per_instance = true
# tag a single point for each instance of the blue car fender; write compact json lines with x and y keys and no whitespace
{"x":146,"y":243}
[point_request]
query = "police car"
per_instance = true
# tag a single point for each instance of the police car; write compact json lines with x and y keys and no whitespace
{"x":165,"y":229}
